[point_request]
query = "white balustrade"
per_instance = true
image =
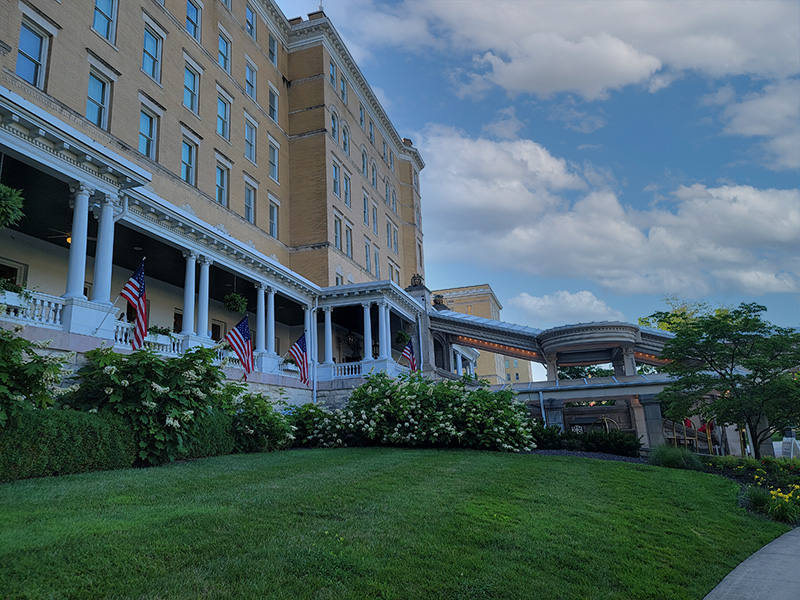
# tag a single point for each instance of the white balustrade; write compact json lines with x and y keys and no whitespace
{"x":38,"y":308}
{"x":347,"y":370}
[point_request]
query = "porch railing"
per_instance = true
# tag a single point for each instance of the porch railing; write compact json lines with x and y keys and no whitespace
{"x":40,"y":309}
{"x":347,"y":370}
{"x":163,"y":344}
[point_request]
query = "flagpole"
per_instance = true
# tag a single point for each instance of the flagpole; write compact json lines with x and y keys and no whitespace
{"x":96,"y":329}
{"x":316,"y":353}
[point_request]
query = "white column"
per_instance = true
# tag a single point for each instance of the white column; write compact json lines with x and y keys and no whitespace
{"x":328,"y":335}
{"x":260,"y":319}
{"x":384,"y":347}
{"x":271,"y":321}
{"x":104,"y":255}
{"x":76,"y":270}
{"x":202,"y":297}
{"x":307,"y":327}
{"x":367,"y":331}
{"x":188,"y":294}
{"x":459,"y":364}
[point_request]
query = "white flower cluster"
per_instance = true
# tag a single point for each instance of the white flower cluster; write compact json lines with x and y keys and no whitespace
{"x":159,"y":389}
{"x":172,"y":422}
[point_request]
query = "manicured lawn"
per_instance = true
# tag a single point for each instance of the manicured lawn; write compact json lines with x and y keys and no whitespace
{"x":375,"y":523}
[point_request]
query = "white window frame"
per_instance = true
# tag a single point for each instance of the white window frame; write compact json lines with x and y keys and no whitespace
{"x":394,"y":200}
{"x":375,"y":218}
{"x":367,"y":253}
{"x":343,"y":89}
{"x":251,"y":208}
{"x":222,"y":186}
{"x":364,"y":164}
{"x":335,"y":126}
{"x":336,"y":179}
{"x":272,"y":106}
{"x":274,"y":217}
{"x":189,"y":167}
{"x":274,"y":158}
{"x":153,"y":134}
{"x":111,"y":19}
{"x":377,"y":261}
{"x":346,"y":139}
{"x":348,"y":240}
{"x":366,"y":210}
{"x":160,"y":34}
{"x":332,"y":73}
{"x":346,"y":188}
{"x":391,"y":159}
{"x":374,"y":178}
{"x":223,"y":119}
{"x":45,"y":35}
{"x":193,"y":67}
{"x":371,"y":132}
{"x":250,"y":20}
{"x":361,"y":120}
{"x":272,"y":47}
{"x":224,"y":59}
{"x":197,"y":26}
{"x":337,"y":232}
{"x":105,"y":102}
{"x":250,"y":83}
{"x":250,"y":138}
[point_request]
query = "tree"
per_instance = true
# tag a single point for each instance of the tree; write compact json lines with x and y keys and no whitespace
{"x":680,"y":310}
{"x":10,"y":206}
{"x":731,"y":366}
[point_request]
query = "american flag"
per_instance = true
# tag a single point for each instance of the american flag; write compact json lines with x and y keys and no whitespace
{"x":299,"y":353}
{"x":133,"y":292}
{"x":239,"y":339}
{"x":408,"y":352}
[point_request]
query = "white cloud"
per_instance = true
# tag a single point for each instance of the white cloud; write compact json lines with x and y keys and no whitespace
{"x":506,"y":126}
{"x":563,"y":307}
{"x":773,"y":115}
{"x":577,"y":120}
{"x":511,"y":205}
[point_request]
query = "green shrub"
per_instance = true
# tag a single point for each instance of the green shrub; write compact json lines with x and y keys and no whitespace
{"x":675,"y":458}
{"x":158,"y":396}
{"x":783,"y":511}
{"x":304,"y":419}
{"x":258,"y":426}
{"x":27,"y":379}
{"x":621,"y":443}
{"x":58,"y":442}
{"x":213,"y":435}
{"x":414,"y":411}
{"x":546,"y":438}
{"x":757,"y":498}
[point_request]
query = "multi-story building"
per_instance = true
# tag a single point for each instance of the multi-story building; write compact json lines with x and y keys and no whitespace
{"x":480,"y":301}
{"x":235,"y":149}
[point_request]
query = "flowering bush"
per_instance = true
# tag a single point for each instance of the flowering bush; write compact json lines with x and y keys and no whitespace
{"x":162,"y":399}
{"x":414,"y":411}
{"x":27,"y":379}
{"x":258,"y":426}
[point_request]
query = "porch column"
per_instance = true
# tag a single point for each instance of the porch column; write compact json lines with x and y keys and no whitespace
{"x":367,"y":331}
{"x":384,"y":348}
{"x":104,"y":255}
{"x":76,"y":270}
{"x":328,"y":335}
{"x":260,"y":319}
{"x":271,"y":321}
{"x":459,"y":364}
{"x":188,"y":294}
{"x":202,"y":297}
{"x":307,"y":327}
{"x":552,"y":367}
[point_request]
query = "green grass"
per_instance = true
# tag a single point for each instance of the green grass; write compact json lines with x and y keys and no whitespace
{"x":375,"y":523}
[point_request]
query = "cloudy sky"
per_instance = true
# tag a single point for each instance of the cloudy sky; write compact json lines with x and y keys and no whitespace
{"x":588,"y":158}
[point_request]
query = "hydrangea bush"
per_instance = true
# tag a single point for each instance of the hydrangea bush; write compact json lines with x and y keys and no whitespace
{"x":259,"y":424}
{"x":414,"y":411}
{"x":162,"y":399}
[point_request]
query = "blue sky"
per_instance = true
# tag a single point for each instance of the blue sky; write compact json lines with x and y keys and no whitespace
{"x":587,"y":159}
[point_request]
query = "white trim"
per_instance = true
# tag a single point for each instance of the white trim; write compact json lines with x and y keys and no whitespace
{"x":222,"y":91}
{"x":222,"y":159}
{"x":104,"y":70}
{"x":43,"y":23}
{"x":193,"y":63}
{"x":159,"y":29}
{"x":151,"y":105}
{"x":191,"y":135}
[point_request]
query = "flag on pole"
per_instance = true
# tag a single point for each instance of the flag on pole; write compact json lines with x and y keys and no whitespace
{"x":133,"y":292}
{"x":239,"y":339}
{"x":408,"y":352}
{"x":299,"y":353}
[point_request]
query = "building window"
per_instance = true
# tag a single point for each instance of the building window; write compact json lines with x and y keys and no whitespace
{"x":250,"y":131}
{"x":417,"y":216}
{"x":339,"y":280}
{"x":374,"y":176}
{"x":193,"y":14}
{"x":98,"y":99}
{"x":348,"y":241}
{"x":223,"y":118}
{"x":367,"y":252}
{"x":371,"y":132}
{"x":273,"y":50}
{"x":224,"y":53}
{"x":227,"y":3}
{"x":250,"y":73}
{"x":361,"y":115}
{"x":346,"y":179}
{"x":191,"y":83}
{"x":250,"y":21}
{"x":336,"y":182}
{"x":223,"y":174}
{"x":508,"y":376}
{"x":384,"y":150}
{"x":416,"y":180}
{"x":516,"y":376}
{"x":334,"y":126}
{"x":394,"y":239}
{"x":273,"y":162}
{"x":104,"y":17}
{"x":507,"y":364}
{"x":273,"y":220}
{"x":516,"y":363}
{"x":346,"y":140}
{"x":148,"y":129}
{"x":386,"y":190}
{"x":343,"y":90}
{"x":388,"y":234}
{"x":250,"y":203}
{"x":394,"y":201}
{"x":366,"y":210}
{"x":377,"y":263}
{"x":188,"y":161}
{"x":337,"y":233}
{"x":273,"y":105}
{"x":419,"y":254}
{"x":364,"y":164}
{"x":151,"y":54}
{"x":375,"y":219}
{"x":391,"y":160}
{"x":333,"y":74}
{"x":32,"y":55}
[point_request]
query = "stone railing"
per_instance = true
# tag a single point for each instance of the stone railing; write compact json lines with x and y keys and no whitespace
{"x":288,"y":369}
{"x":162,"y":344}
{"x":38,"y":308}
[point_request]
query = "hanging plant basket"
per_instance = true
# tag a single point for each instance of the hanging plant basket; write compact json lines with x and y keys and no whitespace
{"x":10,"y":206}
{"x":236,"y":303}
{"x":402,"y":337}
